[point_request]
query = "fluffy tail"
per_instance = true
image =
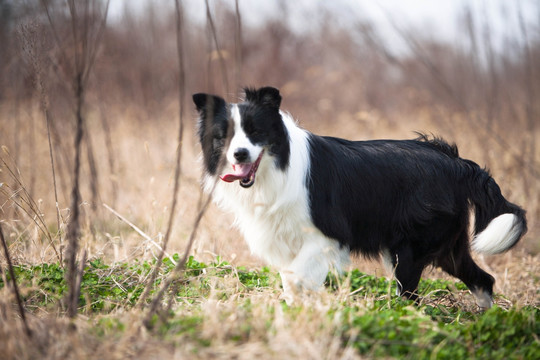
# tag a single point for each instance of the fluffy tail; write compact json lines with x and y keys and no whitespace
{"x":499,"y":223}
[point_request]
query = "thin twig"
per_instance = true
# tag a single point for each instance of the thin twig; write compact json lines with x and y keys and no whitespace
{"x":238,"y":47}
{"x":51,"y":156}
{"x":92,"y":167}
{"x":110,"y":152}
{"x":29,"y":36}
{"x":139,"y":231}
{"x":84,"y":58}
{"x":203,"y":206}
{"x":530,"y":113}
{"x":218,"y":50}
{"x":177,"y":171}
{"x":61,"y":49}
{"x":73,"y":229}
{"x":78,"y":282}
{"x":29,"y":201}
{"x":15,"y":286}
{"x":177,"y":271}
{"x":93,"y":51}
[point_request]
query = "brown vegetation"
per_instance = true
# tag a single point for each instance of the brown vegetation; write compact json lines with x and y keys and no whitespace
{"x":120,"y":91}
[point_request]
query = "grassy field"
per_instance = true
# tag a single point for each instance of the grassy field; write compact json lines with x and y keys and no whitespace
{"x":227,"y":304}
{"x":90,"y":116}
{"x":218,"y":310}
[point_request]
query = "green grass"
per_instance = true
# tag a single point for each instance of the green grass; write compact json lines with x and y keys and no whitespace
{"x":373,"y":322}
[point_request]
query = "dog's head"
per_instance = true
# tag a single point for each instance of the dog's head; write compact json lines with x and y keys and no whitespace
{"x":236,"y":137}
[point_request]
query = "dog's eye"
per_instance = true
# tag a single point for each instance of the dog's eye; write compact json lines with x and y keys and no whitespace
{"x":218,"y":134}
{"x":257,"y":133}
{"x":218,"y":143}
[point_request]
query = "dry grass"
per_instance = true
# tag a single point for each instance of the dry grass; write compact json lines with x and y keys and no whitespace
{"x":238,"y":323}
{"x":336,"y":81}
{"x":145,"y":155}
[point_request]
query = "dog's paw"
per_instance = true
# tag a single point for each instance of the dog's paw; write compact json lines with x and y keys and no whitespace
{"x":288,"y":298}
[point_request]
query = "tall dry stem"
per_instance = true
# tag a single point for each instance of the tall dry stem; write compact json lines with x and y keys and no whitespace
{"x":73,"y":229}
{"x":22,"y":198}
{"x":213,"y":35}
{"x":15,"y":287}
{"x":110,"y":153}
{"x":29,"y":34}
{"x":87,"y":26}
{"x":529,"y":146}
{"x":177,"y":272}
{"x":94,"y":176}
{"x":203,"y":206}
{"x":178,"y":168}
{"x":238,"y":45}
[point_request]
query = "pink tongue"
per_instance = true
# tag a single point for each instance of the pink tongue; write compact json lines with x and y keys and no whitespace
{"x":241,"y":171}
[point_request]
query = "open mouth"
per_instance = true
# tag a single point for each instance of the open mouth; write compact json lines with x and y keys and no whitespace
{"x":244,"y":172}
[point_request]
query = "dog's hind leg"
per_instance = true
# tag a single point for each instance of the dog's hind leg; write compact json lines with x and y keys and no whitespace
{"x":459,"y":263}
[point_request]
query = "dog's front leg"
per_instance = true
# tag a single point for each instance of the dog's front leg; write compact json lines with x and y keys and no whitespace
{"x":309,"y":268}
{"x":292,"y":286}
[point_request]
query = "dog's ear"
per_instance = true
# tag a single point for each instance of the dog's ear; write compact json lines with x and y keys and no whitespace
{"x":212,"y":109}
{"x":200,"y":100}
{"x":205,"y":102}
{"x":267,"y":96}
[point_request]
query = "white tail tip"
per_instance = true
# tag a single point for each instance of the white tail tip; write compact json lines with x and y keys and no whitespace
{"x":500,"y":234}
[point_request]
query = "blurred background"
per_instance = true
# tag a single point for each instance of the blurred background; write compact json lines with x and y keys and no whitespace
{"x":468,"y":71}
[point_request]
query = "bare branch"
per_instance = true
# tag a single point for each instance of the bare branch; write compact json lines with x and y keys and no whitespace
{"x":140,"y":232}
{"x":181,"y":96}
{"x":179,"y":268}
{"x":238,"y":48}
{"x":216,"y":45}
{"x":15,"y":286}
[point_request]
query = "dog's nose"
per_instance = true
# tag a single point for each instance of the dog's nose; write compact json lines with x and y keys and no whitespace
{"x":241,"y":154}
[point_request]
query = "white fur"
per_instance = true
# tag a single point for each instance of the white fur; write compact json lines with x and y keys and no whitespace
{"x":274,"y":214}
{"x":387,"y":260}
{"x":483,"y":299}
{"x":240,"y":140}
{"x":500,"y":234}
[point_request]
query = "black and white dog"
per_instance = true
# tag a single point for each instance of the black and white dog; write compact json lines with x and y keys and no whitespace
{"x":304,"y":202}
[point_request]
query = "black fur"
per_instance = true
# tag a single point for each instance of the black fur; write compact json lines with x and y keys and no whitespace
{"x":408,"y":197}
{"x":262,"y":123}
{"x":213,"y":128}
{"x":266,"y":96}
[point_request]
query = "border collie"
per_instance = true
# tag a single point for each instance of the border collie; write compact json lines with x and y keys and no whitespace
{"x":305,"y":202}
